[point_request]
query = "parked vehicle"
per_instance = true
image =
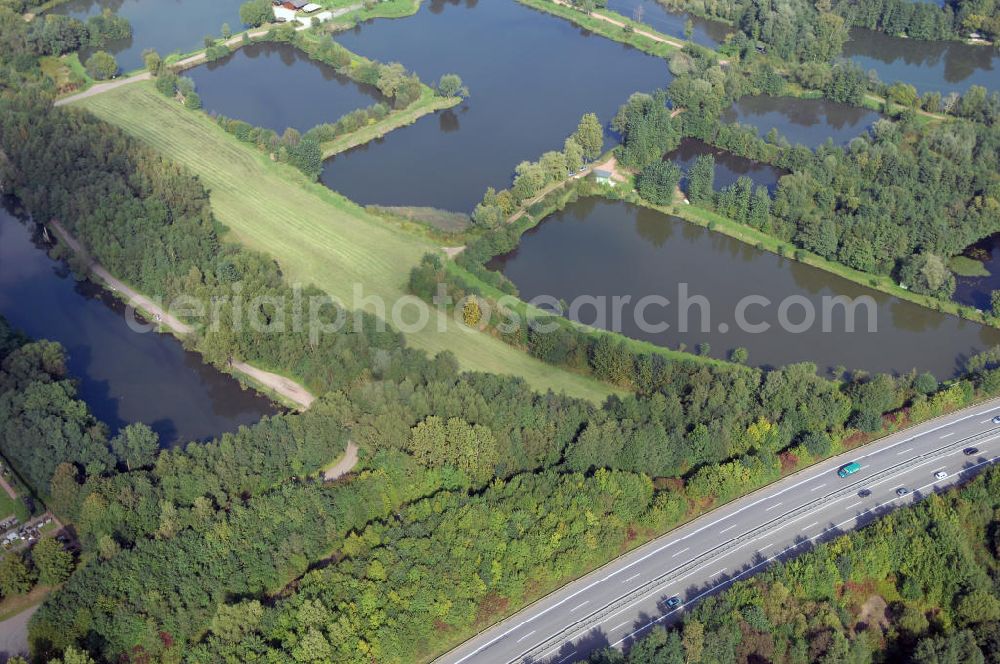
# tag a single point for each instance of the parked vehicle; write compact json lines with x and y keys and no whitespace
{"x":673,"y":602}
{"x":902,"y":491}
{"x":940,"y":475}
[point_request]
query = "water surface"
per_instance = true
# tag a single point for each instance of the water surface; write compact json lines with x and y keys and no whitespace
{"x":531,"y":77}
{"x":977,"y":291}
{"x":163,"y":25}
{"x":707,"y":33}
{"x":944,"y":66}
{"x":604,"y":248}
{"x":728,"y":167}
{"x":278,"y":86}
{"x":809,"y":122}
{"x":123,"y":376}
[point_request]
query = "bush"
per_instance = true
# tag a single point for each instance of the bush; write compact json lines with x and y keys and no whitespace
{"x":101,"y":66}
{"x":256,"y":12}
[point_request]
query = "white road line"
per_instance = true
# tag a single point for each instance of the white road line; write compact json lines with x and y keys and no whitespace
{"x":617,"y":627}
{"x":719,"y":572}
{"x":776,"y":505}
{"x":852,"y":505}
{"x":681,"y":551}
{"x":817,"y":488}
{"x":726,"y":530}
{"x":707,"y":526}
{"x":579,"y":606}
{"x":634,"y":576}
{"x":948,"y":434}
{"x":814,"y":523}
{"x":526,"y":635}
{"x":572,"y":654}
{"x":908,"y":449}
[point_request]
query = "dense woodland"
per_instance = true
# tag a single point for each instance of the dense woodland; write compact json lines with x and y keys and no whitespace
{"x":474,"y":492}
{"x":920,"y":585}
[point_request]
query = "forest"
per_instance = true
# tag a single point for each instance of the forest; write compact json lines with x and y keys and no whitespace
{"x":919,"y":585}
{"x":474,"y":494}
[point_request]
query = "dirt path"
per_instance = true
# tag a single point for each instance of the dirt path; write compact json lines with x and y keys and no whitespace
{"x":103,"y":87}
{"x":279,"y":384}
{"x":8,"y":488}
{"x":284,"y":386}
{"x":607,"y":19}
{"x":345,"y":465}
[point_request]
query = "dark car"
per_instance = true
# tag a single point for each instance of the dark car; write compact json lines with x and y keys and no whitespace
{"x":969,"y":451}
{"x":673,"y":602}
{"x":864,"y":493}
{"x":996,"y":419}
{"x":902,"y":491}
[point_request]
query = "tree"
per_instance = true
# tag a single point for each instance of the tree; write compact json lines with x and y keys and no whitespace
{"x":471,"y":313}
{"x":927,"y":273}
{"x":256,"y":12}
{"x":701,"y":181}
{"x":226,"y":31}
{"x":101,"y":66}
{"x":590,"y":135}
{"x":611,"y":360}
{"x":574,"y":154}
{"x":15,"y":579}
{"x":658,"y":181}
{"x":192,"y":100}
{"x":307,"y":156}
{"x":739,"y":355}
{"x":136,"y":446}
{"x":450,"y":85}
{"x":52,"y":562}
{"x":693,"y":639}
{"x":995,"y":302}
{"x":153,"y":62}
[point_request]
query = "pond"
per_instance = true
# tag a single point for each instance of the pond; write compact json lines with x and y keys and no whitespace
{"x":163,"y":25}
{"x":604,"y":248}
{"x":124,"y":376}
{"x":728,"y":167}
{"x":527,"y":95}
{"x":278,"y":86}
{"x":944,"y":66}
{"x":652,"y":13}
{"x":809,"y":122}
{"x":976,"y":291}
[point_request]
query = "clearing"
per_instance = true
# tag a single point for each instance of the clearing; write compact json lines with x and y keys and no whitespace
{"x":316,"y":235}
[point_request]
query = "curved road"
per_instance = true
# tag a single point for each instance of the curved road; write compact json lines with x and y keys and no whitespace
{"x":622,"y":600}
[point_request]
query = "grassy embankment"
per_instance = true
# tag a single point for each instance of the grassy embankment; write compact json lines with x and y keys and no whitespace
{"x":661,"y":46}
{"x":316,"y":235}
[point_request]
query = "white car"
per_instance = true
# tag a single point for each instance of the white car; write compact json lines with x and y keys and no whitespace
{"x":940,"y":475}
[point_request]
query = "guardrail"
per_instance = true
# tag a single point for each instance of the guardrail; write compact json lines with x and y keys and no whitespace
{"x":750,"y":535}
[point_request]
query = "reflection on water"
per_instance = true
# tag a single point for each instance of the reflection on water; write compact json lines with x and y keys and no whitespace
{"x":123,"y":376}
{"x":278,"y":86}
{"x":809,"y":122}
{"x":531,"y":76}
{"x":652,"y":13}
{"x":584,"y":250}
{"x":928,"y":65}
{"x":728,"y":167}
{"x":163,"y":25}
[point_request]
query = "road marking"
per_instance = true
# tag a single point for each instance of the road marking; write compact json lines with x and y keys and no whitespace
{"x":680,"y":552}
{"x":817,"y":488}
{"x":720,"y":571}
{"x":948,"y":434}
{"x":572,"y":654}
{"x":908,"y":449}
{"x":634,"y":576}
{"x":579,"y":606}
{"x":773,"y":507}
{"x":526,"y":635}
{"x":726,"y":530}
{"x":852,"y":505}
{"x":624,"y":624}
{"x":814,"y":523}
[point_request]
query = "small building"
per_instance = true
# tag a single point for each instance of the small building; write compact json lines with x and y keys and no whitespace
{"x":603,"y":177}
{"x":294,"y":5}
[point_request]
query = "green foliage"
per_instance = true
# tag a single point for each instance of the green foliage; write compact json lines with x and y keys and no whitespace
{"x":101,"y":66}
{"x":53,"y":563}
{"x":658,"y":182}
{"x":450,"y":85}
{"x":701,"y":181}
{"x":256,"y":12}
{"x":647,"y":129}
{"x":589,"y":135}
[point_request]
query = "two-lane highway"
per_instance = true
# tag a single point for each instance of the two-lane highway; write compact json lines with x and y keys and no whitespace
{"x":623,"y":599}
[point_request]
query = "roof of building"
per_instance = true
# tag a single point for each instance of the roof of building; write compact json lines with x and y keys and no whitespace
{"x":601,"y":173}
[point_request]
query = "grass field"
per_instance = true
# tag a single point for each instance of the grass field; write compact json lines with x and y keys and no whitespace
{"x":316,"y":235}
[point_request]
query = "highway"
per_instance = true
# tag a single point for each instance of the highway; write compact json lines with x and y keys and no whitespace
{"x":617,"y":603}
